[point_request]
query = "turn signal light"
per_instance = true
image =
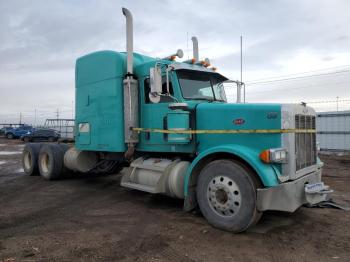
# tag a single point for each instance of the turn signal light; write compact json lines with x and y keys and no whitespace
{"x":265,"y":156}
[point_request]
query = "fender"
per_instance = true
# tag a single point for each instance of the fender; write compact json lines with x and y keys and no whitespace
{"x":266,"y":172}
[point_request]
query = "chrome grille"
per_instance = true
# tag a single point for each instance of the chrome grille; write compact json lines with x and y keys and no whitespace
{"x":305,"y":143}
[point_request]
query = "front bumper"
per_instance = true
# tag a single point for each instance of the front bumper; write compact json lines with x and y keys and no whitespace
{"x":289,"y":196}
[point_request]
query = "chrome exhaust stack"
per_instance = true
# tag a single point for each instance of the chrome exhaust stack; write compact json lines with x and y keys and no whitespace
{"x":195,"y":48}
{"x":131,"y":119}
{"x":129,"y":39}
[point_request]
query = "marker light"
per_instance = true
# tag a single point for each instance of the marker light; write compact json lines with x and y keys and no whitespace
{"x":274,"y":155}
{"x":205,"y":63}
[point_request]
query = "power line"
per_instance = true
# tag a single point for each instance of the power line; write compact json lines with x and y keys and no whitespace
{"x":300,"y":73}
{"x":298,"y":77}
{"x":319,"y":86}
{"x":328,"y":101}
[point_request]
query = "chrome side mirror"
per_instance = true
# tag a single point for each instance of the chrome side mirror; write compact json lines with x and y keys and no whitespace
{"x":155,"y":76}
{"x":155,"y":80}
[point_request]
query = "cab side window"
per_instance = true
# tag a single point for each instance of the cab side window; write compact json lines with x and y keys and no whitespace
{"x":163,"y":99}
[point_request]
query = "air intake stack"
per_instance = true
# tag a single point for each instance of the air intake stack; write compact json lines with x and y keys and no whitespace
{"x":130,"y":89}
{"x":195,"y":57}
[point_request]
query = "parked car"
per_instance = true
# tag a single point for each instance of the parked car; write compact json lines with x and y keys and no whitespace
{"x":4,"y":130}
{"x":50,"y":135}
{"x":18,"y":132}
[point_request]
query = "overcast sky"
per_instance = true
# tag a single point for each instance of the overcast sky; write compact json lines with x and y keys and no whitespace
{"x":40,"y":41}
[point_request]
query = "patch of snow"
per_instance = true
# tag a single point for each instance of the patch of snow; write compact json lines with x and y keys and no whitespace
{"x":20,"y":170}
{"x":2,"y":162}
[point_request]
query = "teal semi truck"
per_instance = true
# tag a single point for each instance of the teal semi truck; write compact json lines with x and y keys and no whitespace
{"x":171,"y":124}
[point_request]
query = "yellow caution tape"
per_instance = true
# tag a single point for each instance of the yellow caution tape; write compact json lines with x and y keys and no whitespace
{"x":220,"y":131}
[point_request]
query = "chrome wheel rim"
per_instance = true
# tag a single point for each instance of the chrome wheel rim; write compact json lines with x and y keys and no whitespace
{"x":224,"y":196}
{"x":27,"y":160}
{"x":45,"y":163}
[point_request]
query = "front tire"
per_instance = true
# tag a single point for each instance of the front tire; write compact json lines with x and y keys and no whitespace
{"x":10,"y":136}
{"x":226,"y":194}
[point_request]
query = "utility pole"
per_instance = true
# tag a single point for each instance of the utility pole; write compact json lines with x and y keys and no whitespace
{"x":58,"y":123}
{"x":35,"y":117}
{"x":240,"y":85}
{"x":241,"y":60}
{"x":20,"y":118}
{"x":188,"y":56}
{"x":72,"y":109}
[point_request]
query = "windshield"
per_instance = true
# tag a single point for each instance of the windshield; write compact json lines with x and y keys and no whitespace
{"x":200,"y":85}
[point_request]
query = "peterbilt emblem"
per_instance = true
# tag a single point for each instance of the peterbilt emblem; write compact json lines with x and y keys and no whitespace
{"x":239,"y":121}
{"x":271,"y":115}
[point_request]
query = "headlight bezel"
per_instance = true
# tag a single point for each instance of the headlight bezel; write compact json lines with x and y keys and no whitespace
{"x":274,"y":155}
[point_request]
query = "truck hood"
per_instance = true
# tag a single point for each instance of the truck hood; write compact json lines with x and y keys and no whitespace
{"x":238,"y":116}
{"x":223,"y":116}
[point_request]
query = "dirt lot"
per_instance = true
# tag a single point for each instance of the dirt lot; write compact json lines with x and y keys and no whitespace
{"x":93,"y":218}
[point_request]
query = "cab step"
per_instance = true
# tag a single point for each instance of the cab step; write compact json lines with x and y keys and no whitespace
{"x":140,"y":187}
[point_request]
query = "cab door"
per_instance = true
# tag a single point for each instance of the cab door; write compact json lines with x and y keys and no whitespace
{"x":159,"y":116}
{"x":154,"y":114}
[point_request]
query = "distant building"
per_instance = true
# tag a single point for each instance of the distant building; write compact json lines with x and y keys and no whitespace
{"x":333,"y":130}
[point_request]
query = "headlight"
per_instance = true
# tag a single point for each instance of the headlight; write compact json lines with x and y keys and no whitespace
{"x":274,"y":155}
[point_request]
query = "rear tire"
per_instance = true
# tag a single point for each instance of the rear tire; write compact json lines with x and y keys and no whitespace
{"x":52,"y":139}
{"x":51,"y":165}
{"x":30,"y":159}
{"x":226,"y":194}
{"x":26,"y":139}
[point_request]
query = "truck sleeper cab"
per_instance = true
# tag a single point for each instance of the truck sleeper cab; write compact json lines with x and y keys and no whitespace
{"x":170,"y":122}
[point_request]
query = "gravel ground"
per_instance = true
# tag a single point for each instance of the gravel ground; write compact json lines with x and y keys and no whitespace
{"x":94,"y":219}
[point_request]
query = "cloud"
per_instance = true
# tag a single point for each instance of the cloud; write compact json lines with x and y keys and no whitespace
{"x":40,"y":42}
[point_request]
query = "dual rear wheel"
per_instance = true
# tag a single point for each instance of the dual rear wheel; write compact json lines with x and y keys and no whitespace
{"x":44,"y":159}
{"x":48,"y":161}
